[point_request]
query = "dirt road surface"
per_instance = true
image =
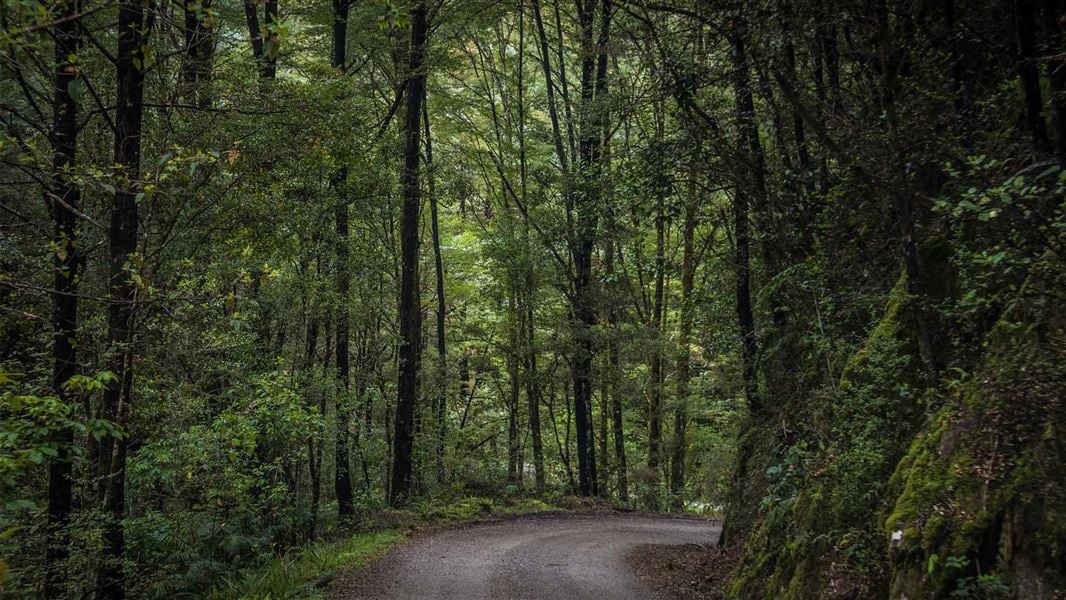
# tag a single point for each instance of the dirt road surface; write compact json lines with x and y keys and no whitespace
{"x":559,"y":557}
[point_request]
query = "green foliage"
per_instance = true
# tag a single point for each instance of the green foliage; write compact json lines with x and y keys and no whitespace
{"x":297,"y":574}
{"x":33,"y":431}
{"x":29,"y":425}
{"x":233,"y":479}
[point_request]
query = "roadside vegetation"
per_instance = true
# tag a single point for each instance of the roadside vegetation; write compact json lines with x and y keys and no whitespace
{"x":306,"y":572}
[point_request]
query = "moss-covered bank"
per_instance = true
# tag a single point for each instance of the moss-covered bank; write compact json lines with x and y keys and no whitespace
{"x":888,"y":486}
{"x":978,"y":504}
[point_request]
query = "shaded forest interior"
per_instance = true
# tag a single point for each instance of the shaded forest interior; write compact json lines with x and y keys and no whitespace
{"x":270,"y":270}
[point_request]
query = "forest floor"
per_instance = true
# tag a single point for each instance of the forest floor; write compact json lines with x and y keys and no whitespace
{"x":552,"y":555}
{"x":685,"y":572}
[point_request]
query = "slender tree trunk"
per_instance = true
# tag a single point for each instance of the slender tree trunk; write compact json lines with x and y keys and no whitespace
{"x":604,"y":468}
{"x":799,"y":134}
{"x":745,"y":108}
{"x":655,"y":406}
{"x":441,"y":404}
{"x":564,"y":443}
{"x":819,"y":59}
{"x":564,"y":81}
{"x":619,"y":438}
{"x":1029,"y":74}
{"x":314,"y":448}
{"x":65,"y":199}
{"x":553,"y":111}
{"x":533,"y":395}
{"x":272,"y":48}
{"x":263,"y":37}
{"x":778,"y":126}
{"x":342,"y":482}
{"x":410,"y":310}
{"x":342,"y":474}
{"x":255,"y":33}
{"x":133,"y":37}
{"x":368,"y":400}
{"x":466,"y":389}
{"x":830,"y":54}
{"x":613,"y":401}
{"x":688,"y":273}
{"x":199,"y":51}
{"x":513,"y":362}
{"x":529,"y":294}
{"x":1056,"y":71}
{"x":614,"y":372}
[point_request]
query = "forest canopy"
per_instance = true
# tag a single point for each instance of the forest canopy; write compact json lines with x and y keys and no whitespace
{"x":270,"y":270}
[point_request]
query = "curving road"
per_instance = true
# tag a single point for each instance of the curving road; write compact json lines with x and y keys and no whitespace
{"x":536,"y":557}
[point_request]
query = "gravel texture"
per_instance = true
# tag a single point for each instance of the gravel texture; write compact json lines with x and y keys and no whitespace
{"x":586,"y":556}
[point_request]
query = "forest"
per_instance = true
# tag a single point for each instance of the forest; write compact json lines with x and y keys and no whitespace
{"x":274,"y":272}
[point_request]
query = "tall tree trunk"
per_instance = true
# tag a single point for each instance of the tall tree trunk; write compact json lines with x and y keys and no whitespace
{"x":798,"y":132}
{"x":614,"y":367}
{"x":583,"y":315}
{"x":1056,"y":71}
{"x":656,"y":326}
{"x":890,"y":59}
{"x":553,"y":110}
{"x":133,"y":31}
{"x":750,"y":152}
{"x":410,"y":309}
{"x":584,"y":237}
{"x":533,"y":394}
{"x":314,"y":448}
{"x":745,"y":109}
{"x":272,"y":47}
{"x":529,"y":294}
{"x":64,"y":198}
{"x":1029,"y":74}
{"x":614,"y":370}
{"x":263,"y":36}
{"x":342,"y":482}
{"x":688,"y":273}
{"x":199,"y":51}
{"x":441,"y":404}
{"x":604,"y":468}
{"x":255,"y":33}
{"x":514,"y":462}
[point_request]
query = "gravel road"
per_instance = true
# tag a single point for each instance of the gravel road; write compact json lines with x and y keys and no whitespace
{"x":547,"y":556}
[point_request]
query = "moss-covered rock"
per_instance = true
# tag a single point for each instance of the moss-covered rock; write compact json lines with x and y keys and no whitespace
{"x":815,"y":536}
{"x":980,"y":499}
